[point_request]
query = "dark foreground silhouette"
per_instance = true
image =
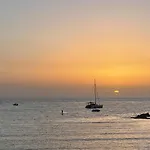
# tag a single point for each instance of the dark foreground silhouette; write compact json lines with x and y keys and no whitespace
{"x":142,"y":116}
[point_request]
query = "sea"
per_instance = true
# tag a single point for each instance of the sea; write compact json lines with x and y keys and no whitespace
{"x":37,"y":124}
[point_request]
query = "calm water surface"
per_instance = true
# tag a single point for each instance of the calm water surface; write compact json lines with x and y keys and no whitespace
{"x":39,"y":125}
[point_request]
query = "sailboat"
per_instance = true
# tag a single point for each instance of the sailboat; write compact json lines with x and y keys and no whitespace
{"x":91,"y":105}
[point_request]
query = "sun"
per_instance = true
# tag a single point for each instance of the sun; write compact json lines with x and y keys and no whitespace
{"x":116,"y":91}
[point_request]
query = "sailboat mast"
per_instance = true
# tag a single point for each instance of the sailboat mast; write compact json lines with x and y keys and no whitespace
{"x":95,"y":90}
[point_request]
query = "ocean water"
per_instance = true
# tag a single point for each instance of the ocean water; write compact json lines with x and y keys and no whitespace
{"x":39,"y":125}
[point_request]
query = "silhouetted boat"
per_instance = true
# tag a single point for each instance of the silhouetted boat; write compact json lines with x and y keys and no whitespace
{"x":95,"y":110}
{"x":91,"y":105}
{"x":15,"y":104}
{"x":142,"y":116}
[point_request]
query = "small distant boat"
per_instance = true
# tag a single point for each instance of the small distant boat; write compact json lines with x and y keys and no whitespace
{"x":95,"y":110}
{"x":15,"y":104}
{"x":91,"y":105}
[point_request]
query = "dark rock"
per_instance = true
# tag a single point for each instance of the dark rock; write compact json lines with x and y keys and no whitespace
{"x":142,"y":116}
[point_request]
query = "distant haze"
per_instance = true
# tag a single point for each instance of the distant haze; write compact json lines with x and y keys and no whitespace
{"x":55,"y":48}
{"x":71,"y":92}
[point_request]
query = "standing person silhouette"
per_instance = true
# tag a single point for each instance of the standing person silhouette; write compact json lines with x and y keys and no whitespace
{"x":62,"y":112}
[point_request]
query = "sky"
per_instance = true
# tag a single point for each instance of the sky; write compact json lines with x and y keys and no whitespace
{"x":57,"y":48}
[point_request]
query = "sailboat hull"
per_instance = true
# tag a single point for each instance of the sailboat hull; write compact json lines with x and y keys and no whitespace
{"x":91,"y":106}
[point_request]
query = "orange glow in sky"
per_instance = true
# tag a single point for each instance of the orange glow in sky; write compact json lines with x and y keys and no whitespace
{"x":71,"y":43}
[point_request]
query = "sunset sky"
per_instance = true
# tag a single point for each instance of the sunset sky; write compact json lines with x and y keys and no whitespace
{"x":59,"y":45}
